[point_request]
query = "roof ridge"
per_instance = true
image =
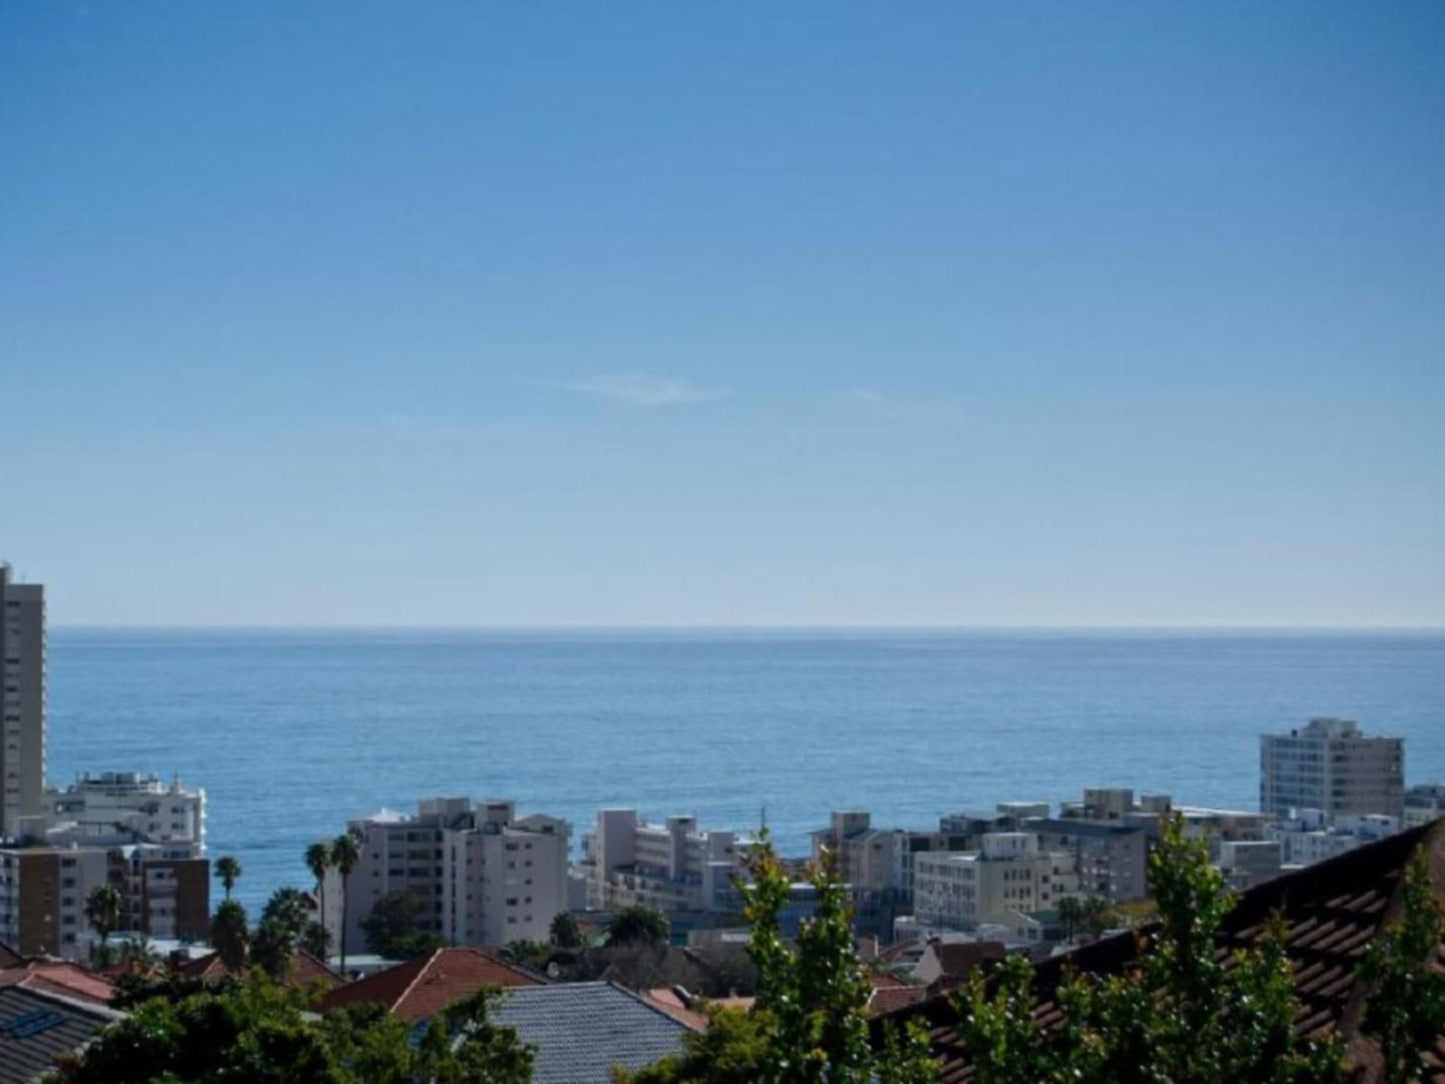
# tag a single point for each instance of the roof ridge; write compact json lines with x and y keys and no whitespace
{"x":651,"y":1006}
{"x":422,"y":970}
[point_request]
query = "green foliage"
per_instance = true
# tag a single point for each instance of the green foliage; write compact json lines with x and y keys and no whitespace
{"x":344,"y":856}
{"x":230,"y":934}
{"x":637,"y":925}
{"x":814,"y":994}
{"x":257,"y":1032}
{"x":103,"y":913}
{"x":228,"y":871}
{"x":1181,"y":1017}
{"x":731,"y":1051}
{"x":391,"y":928}
{"x":566,"y":933}
{"x":315,"y":940}
{"x":1407,"y":1010}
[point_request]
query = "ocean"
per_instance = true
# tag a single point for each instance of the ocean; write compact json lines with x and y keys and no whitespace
{"x":293,"y":733}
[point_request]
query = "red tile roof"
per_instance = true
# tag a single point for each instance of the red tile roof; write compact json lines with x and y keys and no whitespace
{"x":59,"y":977}
{"x":423,"y":986}
{"x":1331,"y":910}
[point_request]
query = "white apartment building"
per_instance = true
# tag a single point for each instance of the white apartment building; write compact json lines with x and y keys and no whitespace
{"x":22,"y":701}
{"x":1308,"y":836}
{"x":674,"y":866}
{"x":120,"y":807}
{"x":1330,"y":765}
{"x":1424,"y":802}
{"x":1009,"y":875}
{"x":484,"y":876}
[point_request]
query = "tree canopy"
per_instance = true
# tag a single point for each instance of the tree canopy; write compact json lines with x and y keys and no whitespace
{"x":392,"y":927}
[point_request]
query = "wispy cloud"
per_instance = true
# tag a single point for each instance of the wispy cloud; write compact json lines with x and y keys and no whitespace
{"x":640,"y":389}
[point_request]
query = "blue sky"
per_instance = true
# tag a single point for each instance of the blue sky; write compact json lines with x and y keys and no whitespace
{"x":937,"y":313}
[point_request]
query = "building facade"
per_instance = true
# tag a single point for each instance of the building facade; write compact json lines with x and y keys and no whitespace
{"x":483,"y":875}
{"x":1424,"y":803}
{"x":674,"y":866}
{"x":1011,"y":875}
{"x":22,"y":701}
{"x":1110,"y":859}
{"x":165,"y":893}
{"x":1330,"y":765}
{"x":124,"y":807}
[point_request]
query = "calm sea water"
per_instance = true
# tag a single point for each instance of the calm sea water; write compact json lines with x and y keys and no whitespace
{"x":291,"y":734}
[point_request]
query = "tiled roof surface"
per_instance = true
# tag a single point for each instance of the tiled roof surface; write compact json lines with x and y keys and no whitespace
{"x":59,"y":977}
{"x":1331,"y":910}
{"x":582,"y":1029}
{"x":58,"y":1027}
{"x":9,"y":957}
{"x":423,"y":986}
{"x":306,"y":970}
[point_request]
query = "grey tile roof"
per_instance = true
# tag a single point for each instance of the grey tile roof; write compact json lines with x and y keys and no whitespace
{"x":57,"y":1025}
{"x":582,"y":1029}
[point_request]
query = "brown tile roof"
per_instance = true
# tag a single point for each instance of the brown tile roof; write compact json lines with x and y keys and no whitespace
{"x":59,"y":977}
{"x":423,"y":986}
{"x":306,"y":970}
{"x":1332,"y":910}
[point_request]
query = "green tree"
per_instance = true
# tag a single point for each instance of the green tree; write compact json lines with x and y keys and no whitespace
{"x":228,"y":871}
{"x":103,"y":913}
{"x":1184,"y":1015}
{"x":565,"y":930}
{"x":392,"y":928}
{"x":732,"y":1050}
{"x":283,"y":922}
{"x":1407,"y":1010}
{"x":1071,"y":914}
{"x":637,"y":925}
{"x":230,"y":934}
{"x":316,"y":940}
{"x":318,"y":861}
{"x":345,"y":856}
{"x":259,"y":1032}
{"x":1096,"y":916}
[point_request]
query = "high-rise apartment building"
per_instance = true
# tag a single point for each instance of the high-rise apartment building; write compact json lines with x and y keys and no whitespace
{"x":22,"y":701}
{"x":482,"y":875}
{"x":1330,"y":765}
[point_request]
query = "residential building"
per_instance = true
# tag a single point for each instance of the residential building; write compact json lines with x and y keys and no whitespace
{"x":1110,"y":859}
{"x":1424,"y":802}
{"x":165,"y":893}
{"x":484,"y":876}
{"x":115,"y":807}
{"x":22,"y":701}
{"x":1011,"y":873}
{"x":674,"y":866}
{"x":419,"y":988}
{"x":1330,"y":765}
{"x":1325,"y":915}
{"x":1308,"y":836}
{"x":1248,"y":862}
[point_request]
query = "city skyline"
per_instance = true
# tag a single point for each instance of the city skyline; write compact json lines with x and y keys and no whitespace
{"x":816,"y":316}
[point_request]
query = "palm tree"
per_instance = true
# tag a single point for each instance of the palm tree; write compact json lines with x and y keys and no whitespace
{"x":318,"y":861}
{"x":1071,"y":914}
{"x":228,"y":869}
{"x":344,"y":856}
{"x":230,"y":935}
{"x":102,"y":911}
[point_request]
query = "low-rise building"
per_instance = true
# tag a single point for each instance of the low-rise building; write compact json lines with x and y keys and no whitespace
{"x":674,"y":866}
{"x":1011,"y":873}
{"x":1248,"y":862}
{"x":1110,"y":858}
{"x":1424,"y":802}
{"x":1308,"y":836}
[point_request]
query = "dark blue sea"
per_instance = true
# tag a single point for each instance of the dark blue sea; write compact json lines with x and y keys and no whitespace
{"x":291,"y":734}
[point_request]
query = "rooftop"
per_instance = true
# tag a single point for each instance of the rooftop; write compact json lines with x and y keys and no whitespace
{"x":425,"y":985}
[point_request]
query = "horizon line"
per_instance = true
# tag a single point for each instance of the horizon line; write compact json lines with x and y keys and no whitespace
{"x":746,"y":627}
